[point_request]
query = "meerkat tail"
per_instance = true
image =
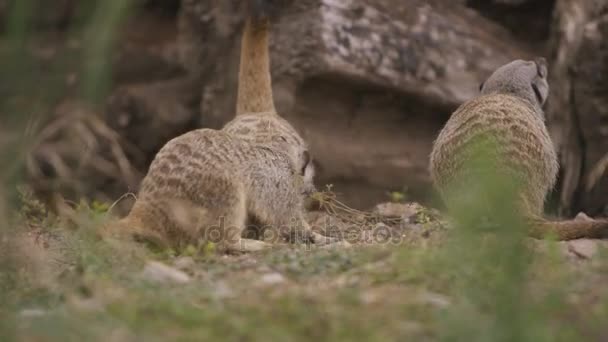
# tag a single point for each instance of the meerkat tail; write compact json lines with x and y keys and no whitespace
{"x":569,"y":229}
{"x":255,"y":84}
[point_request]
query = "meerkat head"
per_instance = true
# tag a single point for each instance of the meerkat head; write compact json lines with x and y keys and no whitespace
{"x":525,"y":79}
{"x":301,"y":159}
{"x":271,"y":130}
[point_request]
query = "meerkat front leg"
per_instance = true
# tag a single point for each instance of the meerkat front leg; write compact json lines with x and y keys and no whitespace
{"x":314,"y":237}
{"x":232,"y":227}
{"x":319,"y":239}
{"x":235,"y":243}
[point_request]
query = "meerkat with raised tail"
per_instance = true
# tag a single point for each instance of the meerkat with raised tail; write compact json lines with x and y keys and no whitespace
{"x":256,"y":118}
{"x":207,"y":183}
{"x":509,"y":111}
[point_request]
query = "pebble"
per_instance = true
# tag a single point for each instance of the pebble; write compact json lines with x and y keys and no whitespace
{"x":184,"y":263}
{"x":272,"y":279}
{"x":32,"y":313}
{"x":158,"y":272}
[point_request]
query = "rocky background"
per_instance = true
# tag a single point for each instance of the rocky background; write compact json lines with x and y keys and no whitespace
{"x":91,"y":89}
{"x":369,"y":83}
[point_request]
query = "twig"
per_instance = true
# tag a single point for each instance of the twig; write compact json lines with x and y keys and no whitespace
{"x":128,"y":194}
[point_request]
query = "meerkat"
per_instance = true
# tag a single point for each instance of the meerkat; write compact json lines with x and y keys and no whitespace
{"x":207,"y":183}
{"x":204,"y":184}
{"x":509,"y":111}
{"x":256,"y":118}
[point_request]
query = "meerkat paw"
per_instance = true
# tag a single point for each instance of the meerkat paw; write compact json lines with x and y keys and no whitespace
{"x":319,"y":239}
{"x":248,"y":245}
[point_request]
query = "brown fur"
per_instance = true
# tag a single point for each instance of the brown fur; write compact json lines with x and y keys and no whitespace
{"x":510,"y":112}
{"x":207,"y":182}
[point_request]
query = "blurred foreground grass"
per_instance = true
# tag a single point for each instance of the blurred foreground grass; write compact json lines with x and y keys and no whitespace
{"x":82,"y":288}
{"x":60,"y":282}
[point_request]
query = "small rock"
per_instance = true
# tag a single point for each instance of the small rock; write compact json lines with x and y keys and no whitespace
{"x":158,"y":272}
{"x":582,"y":217}
{"x":391,"y":209}
{"x":32,"y":313}
{"x":86,"y":304}
{"x":339,"y":244}
{"x":405,"y":211}
{"x":435,"y":299}
{"x":583,"y":248}
{"x":272,"y":279}
{"x":184,"y":263}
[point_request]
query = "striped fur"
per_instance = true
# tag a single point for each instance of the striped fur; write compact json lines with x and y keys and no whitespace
{"x":507,"y":117}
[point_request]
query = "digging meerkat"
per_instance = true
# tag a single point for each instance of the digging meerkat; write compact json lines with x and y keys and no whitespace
{"x":509,"y":110}
{"x":207,"y":183}
{"x":256,"y":118}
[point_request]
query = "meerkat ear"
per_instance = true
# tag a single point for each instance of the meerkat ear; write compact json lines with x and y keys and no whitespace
{"x":481,"y":86}
{"x":307,"y":159}
{"x":541,"y":66}
{"x":538,"y":94}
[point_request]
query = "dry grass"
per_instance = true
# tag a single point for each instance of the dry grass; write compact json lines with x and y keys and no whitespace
{"x":394,"y":223}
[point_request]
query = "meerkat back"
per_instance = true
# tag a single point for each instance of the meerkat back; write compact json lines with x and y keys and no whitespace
{"x":508,"y":112}
{"x":504,"y":125}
